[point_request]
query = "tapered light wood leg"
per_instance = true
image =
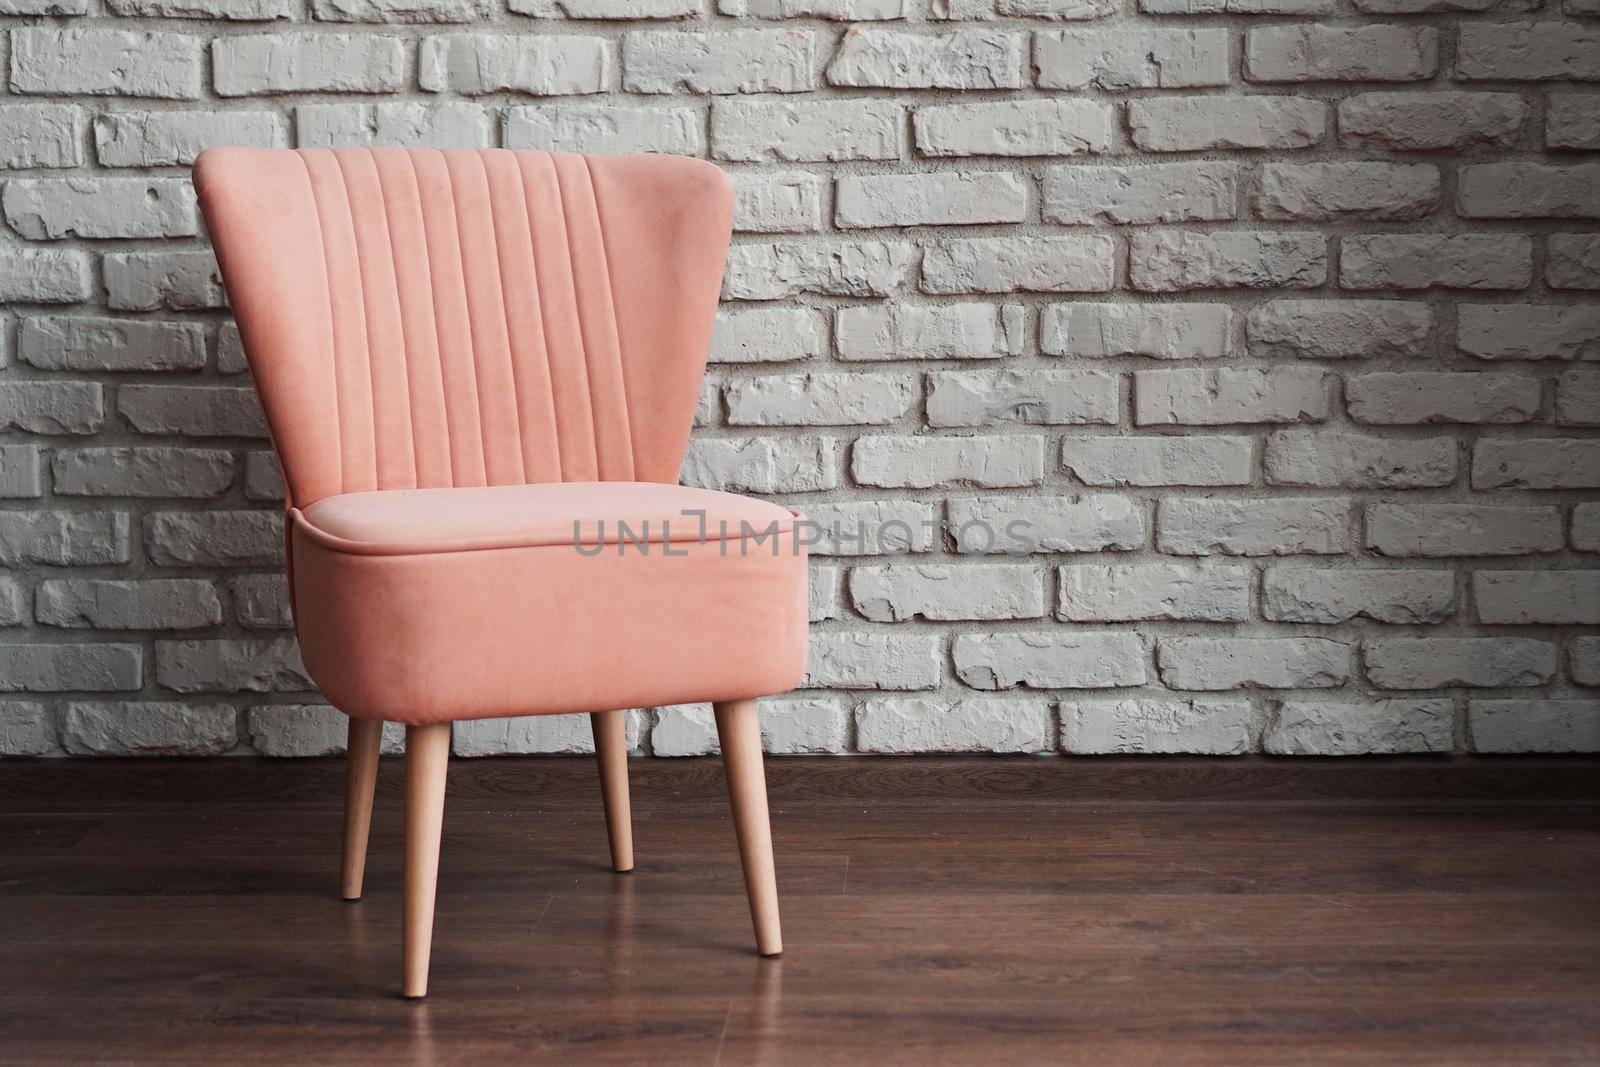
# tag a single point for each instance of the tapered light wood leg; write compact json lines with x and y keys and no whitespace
{"x":427,"y":757}
{"x":739,"y":730}
{"x":610,"y":730}
{"x":360,"y":779}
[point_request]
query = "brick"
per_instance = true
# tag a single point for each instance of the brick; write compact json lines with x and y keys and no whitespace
{"x":1446,"y":662}
{"x":1325,"y":596}
{"x":13,"y":603}
{"x":1003,"y":397}
{"x":1216,"y":663}
{"x":315,"y":730}
{"x":1020,"y":264}
{"x":48,"y":209}
{"x":1386,"y":399}
{"x":176,"y":138}
{"x":1154,"y":331}
{"x":852,"y":10}
{"x":871,"y":527}
{"x":1584,"y":653}
{"x":1339,"y":459}
{"x":148,"y":728}
{"x":789,"y":268}
{"x":942,"y":199}
{"x":151,"y":281}
{"x":1558,"y":598}
{"x":193,"y":473}
{"x":1204,"y":123}
{"x":106,"y":62}
{"x":1168,"y":261}
{"x":1338,"y":329}
{"x":63,"y":538}
{"x":799,"y":726}
{"x":1536,"y":51}
{"x":104,"y":344}
{"x":762,"y":465}
{"x":1365,"y":728}
{"x":236,"y":10}
{"x":728,"y":61}
{"x":822,"y":594}
{"x":262,"y":478}
{"x":1426,"y":260}
{"x":963,"y":59}
{"x":1237,"y":7}
{"x":1129,"y":727}
{"x":268,"y":63}
{"x":908,"y":331}
{"x":843,"y":659}
{"x":768,"y":335}
{"x":230,"y":350}
{"x":605,"y":129}
{"x":1229,"y":395}
{"x":1145,"y":58}
{"x":443,"y":124}
{"x":1529,"y":191}
{"x":1013,"y":128}
{"x":539,"y":733}
{"x":403,"y":11}
{"x":51,"y":407}
{"x":1586,"y":527}
{"x":1138,"y":592}
{"x":1578,"y":398}
{"x":26,"y":729}
{"x":753,"y":131}
{"x":156,"y":604}
{"x":231,"y":665}
{"x":783,"y":202}
{"x":1152,"y":192}
{"x":19,"y":472}
{"x":1012,"y":525}
{"x":214,"y":538}
{"x":196,"y":410}
{"x":44,"y":7}
{"x":1536,"y":463}
{"x":943,"y":592}
{"x":261,"y":601}
{"x":1313,"y":53}
{"x":1528,"y":331}
{"x":1412,"y":122}
{"x":1410,"y":530}
{"x":1571,"y":121}
{"x":546,"y":65}
{"x":926,"y":462}
{"x":61,"y":668}
{"x":1326,"y":192}
{"x":1076,"y":659}
{"x":40,"y":135}
{"x":1415,"y":7}
{"x":1572,"y":261}
{"x":819,"y":400}
{"x":985,"y":724}
{"x":1283,"y":527}
{"x":1534,"y":725}
{"x":28,"y":277}
{"x":1188,"y":459}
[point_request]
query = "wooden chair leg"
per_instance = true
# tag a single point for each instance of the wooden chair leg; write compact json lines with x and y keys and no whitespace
{"x":427,"y":757}
{"x":360,"y":779}
{"x":739,"y":730}
{"x":610,"y":730}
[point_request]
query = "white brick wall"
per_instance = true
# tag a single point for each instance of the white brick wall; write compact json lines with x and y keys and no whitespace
{"x":1206,"y":376}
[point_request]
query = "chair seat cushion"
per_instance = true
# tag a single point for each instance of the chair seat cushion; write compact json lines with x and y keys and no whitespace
{"x":432,"y":605}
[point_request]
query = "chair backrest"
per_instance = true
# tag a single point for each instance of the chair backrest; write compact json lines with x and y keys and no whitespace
{"x":417,"y":318}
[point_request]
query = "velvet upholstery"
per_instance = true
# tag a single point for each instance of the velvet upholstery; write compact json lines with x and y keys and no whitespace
{"x":461,"y":354}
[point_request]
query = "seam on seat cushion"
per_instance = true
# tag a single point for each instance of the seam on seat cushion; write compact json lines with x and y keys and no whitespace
{"x":349,"y":546}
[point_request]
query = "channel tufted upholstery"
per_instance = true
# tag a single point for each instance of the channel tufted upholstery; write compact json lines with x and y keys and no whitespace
{"x":445,"y":341}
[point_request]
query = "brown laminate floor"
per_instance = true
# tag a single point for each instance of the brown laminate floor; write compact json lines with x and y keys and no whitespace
{"x":961,"y":911}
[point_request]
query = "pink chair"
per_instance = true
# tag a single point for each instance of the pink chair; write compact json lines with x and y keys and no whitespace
{"x":480,"y":369}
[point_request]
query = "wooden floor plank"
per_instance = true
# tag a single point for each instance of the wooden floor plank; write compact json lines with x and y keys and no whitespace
{"x":1005,"y":927}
